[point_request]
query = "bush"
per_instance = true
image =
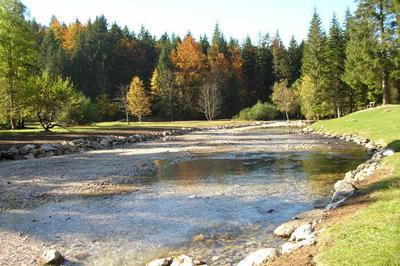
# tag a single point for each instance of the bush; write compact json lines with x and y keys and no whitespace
{"x":80,"y":111}
{"x":259,"y":111}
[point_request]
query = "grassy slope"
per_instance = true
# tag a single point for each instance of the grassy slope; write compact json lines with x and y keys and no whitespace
{"x":36,"y":128}
{"x":372,"y":235}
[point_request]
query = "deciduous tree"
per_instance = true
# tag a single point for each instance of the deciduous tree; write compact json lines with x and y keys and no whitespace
{"x":138,"y":101}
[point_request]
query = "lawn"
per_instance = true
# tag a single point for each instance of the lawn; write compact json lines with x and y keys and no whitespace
{"x":370,"y":236}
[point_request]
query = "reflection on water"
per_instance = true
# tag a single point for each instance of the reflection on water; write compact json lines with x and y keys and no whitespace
{"x":233,"y":200}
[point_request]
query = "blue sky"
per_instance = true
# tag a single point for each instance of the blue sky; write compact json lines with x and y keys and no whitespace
{"x":237,"y":18}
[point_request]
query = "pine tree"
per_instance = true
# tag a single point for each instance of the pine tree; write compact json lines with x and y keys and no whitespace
{"x":314,"y":71}
{"x":294,"y":58}
{"x":248,"y":72}
{"x":336,"y":46}
{"x":137,"y":101}
{"x":264,"y":69}
{"x":372,"y":48}
{"x":52,"y":57}
{"x":281,"y":65}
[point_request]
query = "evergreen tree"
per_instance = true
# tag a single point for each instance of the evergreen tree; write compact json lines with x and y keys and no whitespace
{"x":264,"y":69}
{"x":52,"y":57}
{"x":281,"y":65}
{"x":204,"y":44}
{"x":249,"y":73}
{"x":372,"y":49}
{"x":314,"y":71}
{"x":336,"y":46}
{"x":294,"y":58}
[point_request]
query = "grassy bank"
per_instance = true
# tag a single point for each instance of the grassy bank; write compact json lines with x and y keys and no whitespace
{"x":370,"y":236}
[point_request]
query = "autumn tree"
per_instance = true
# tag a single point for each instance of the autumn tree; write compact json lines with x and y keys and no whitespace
{"x":189,"y":65}
{"x":284,"y":98}
{"x":138,"y":101}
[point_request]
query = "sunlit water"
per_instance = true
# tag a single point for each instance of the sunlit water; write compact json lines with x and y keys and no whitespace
{"x":234,"y":200}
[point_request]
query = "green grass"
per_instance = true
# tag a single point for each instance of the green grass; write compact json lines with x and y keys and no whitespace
{"x":382,"y":124}
{"x":371,"y":236}
{"x":33,"y":128}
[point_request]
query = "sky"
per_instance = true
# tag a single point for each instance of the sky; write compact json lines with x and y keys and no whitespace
{"x":237,"y":18}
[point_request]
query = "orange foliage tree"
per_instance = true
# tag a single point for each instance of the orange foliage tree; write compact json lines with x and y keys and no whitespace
{"x":190,"y":65}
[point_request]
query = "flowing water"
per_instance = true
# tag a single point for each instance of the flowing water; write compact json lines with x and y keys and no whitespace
{"x":216,"y":207}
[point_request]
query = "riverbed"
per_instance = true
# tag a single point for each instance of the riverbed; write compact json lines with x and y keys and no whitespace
{"x":214,"y":195}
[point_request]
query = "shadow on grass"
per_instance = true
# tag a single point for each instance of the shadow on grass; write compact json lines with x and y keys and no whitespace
{"x":394,"y":145}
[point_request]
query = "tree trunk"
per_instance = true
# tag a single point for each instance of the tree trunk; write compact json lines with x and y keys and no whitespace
{"x":385,"y":90}
{"x":127,"y":115}
{"x":13,"y":123}
{"x":140,"y":118}
{"x":287,"y":115}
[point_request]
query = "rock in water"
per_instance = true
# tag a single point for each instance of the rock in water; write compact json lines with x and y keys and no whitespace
{"x":259,"y":257}
{"x":51,"y":257}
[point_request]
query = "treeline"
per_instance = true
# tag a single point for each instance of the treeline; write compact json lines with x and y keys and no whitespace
{"x":83,"y":72}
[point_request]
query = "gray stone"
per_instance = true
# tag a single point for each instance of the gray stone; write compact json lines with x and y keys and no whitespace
{"x":12,"y":152}
{"x":344,"y":185}
{"x":104,"y":143}
{"x":286,"y":229}
{"x":259,"y":257}
{"x":51,"y":257}
{"x":160,"y":262}
{"x":291,"y":246}
{"x":302,"y":232}
{"x":387,"y":153}
{"x":26,"y":149}
{"x":48,"y":147}
{"x":182,"y":260}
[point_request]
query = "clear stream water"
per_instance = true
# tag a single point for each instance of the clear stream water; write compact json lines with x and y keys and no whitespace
{"x":234,"y":200}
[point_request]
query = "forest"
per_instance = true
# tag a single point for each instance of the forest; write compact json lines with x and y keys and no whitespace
{"x":83,"y":72}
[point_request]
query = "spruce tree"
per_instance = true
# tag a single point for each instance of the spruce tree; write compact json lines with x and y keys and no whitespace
{"x":336,"y":46}
{"x":294,"y":58}
{"x":281,"y":66}
{"x":264,"y":69}
{"x":372,"y":49}
{"x":314,"y":70}
{"x":248,"y":72}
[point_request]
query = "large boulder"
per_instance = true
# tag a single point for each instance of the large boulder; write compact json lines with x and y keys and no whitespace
{"x":259,"y":257}
{"x":26,"y":149}
{"x":51,"y":257}
{"x":286,"y":229}
{"x":12,"y":152}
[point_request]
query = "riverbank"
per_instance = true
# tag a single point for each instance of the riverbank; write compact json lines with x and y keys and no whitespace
{"x":364,"y":230}
{"x":101,"y":228}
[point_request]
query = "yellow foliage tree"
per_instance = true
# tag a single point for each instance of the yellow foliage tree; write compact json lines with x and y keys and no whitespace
{"x":189,"y":63}
{"x":138,"y":102}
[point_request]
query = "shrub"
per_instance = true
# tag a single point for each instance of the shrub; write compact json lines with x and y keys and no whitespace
{"x":259,"y":111}
{"x":80,"y":111}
